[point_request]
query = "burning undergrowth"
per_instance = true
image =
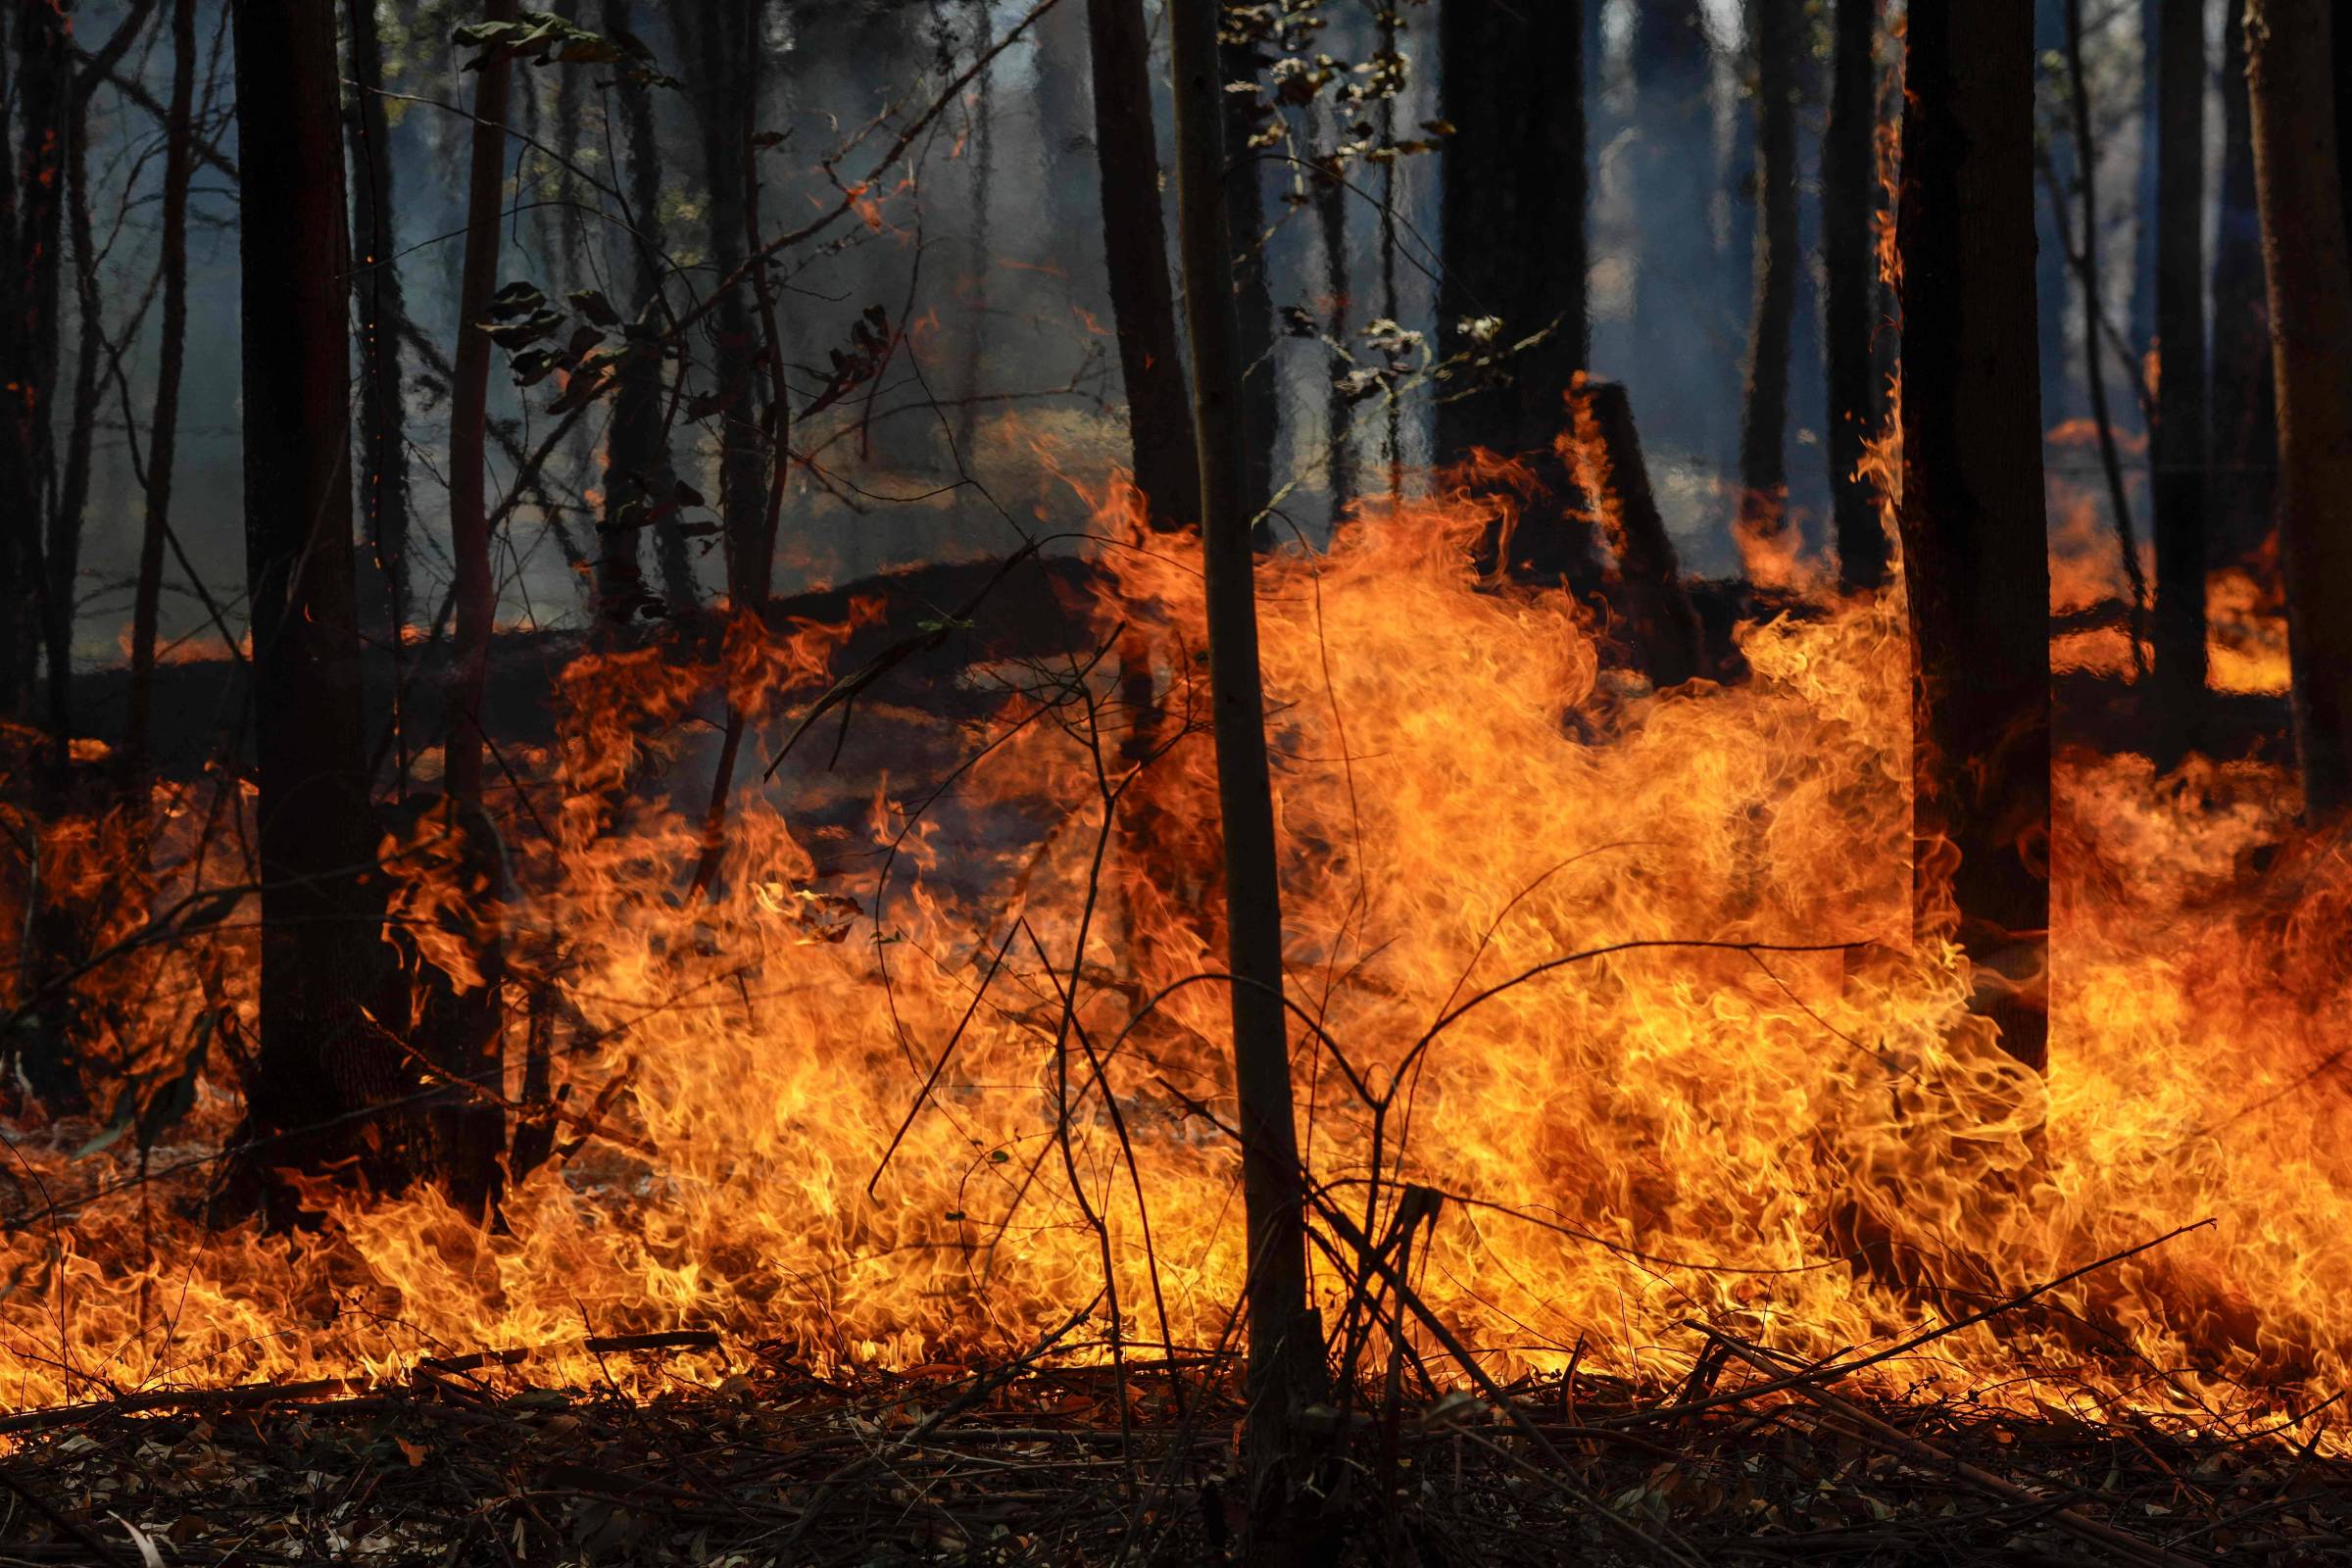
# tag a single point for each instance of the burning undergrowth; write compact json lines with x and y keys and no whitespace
{"x":1608,"y":1023}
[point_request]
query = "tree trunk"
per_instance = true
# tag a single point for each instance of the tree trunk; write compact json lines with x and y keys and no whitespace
{"x":637,"y":476}
{"x":1332,"y":197}
{"x":1143,"y":304}
{"x":1656,"y":603}
{"x":2289,"y":43}
{"x":2177,"y":447}
{"x":31,"y":225}
{"x":726,"y":97}
{"x":476,"y":603}
{"x":1513,"y":232}
{"x":63,"y":561}
{"x":1254,"y":314}
{"x":460,"y":1031}
{"x":385,"y":591}
{"x":1849,"y":187}
{"x":1972,"y":511}
{"x":164,"y":435}
{"x":1775,"y":26}
{"x":320,"y":1063}
{"x":2245,"y":439}
{"x":1286,"y":1366}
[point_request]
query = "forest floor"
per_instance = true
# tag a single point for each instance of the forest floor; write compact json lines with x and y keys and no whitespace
{"x":1029,"y":1464}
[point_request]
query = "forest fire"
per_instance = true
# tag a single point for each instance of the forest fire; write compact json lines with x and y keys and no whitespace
{"x":925,"y":824}
{"x":1749,"y":1099}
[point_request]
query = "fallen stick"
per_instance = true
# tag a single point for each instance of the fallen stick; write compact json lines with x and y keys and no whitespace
{"x":1901,"y":1443}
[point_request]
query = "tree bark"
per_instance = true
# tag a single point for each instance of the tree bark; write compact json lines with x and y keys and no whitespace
{"x":1774,"y":26}
{"x":1656,"y":602}
{"x":320,"y":1063}
{"x":2305,"y":258}
{"x":31,"y":223}
{"x":1285,"y":1366}
{"x":1971,"y":513}
{"x":1331,"y":231}
{"x":2245,"y":439}
{"x":2178,"y":446}
{"x":637,"y":476}
{"x":476,"y":603}
{"x":1849,"y":188}
{"x":1513,"y":232}
{"x":162,"y":440}
{"x":1143,"y":304}
{"x":726,"y":103}
{"x":384,"y":591}
{"x":1253,"y":314}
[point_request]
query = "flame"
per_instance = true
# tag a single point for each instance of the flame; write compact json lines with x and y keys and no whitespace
{"x":861,"y":1098}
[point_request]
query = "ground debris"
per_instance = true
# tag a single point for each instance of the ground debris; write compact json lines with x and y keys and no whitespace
{"x":1081,"y":1465}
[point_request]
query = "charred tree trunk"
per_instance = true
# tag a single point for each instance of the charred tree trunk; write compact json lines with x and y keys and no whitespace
{"x":1972,"y":511}
{"x":457,"y":1025}
{"x":1774,"y":26}
{"x":2305,"y":257}
{"x":1143,"y":304}
{"x":1655,"y":601}
{"x":31,"y":225}
{"x":636,"y":455}
{"x":470,"y":422}
{"x":2179,"y":438}
{"x":1849,"y":188}
{"x":726,"y":101}
{"x":1513,"y":232}
{"x":1286,"y":1349}
{"x":384,"y":591}
{"x":2244,"y":454}
{"x":320,"y":1063}
{"x":163,"y":441}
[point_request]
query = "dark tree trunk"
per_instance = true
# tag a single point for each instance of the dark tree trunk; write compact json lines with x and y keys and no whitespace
{"x":1513,"y":232}
{"x":1654,"y":600}
{"x":475,"y":592}
{"x":725,"y":98}
{"x":1775,"y":26}
{"x":320,"y":1063}
{"x":2177,"y":447}
{"x":2057,"y":364}
{"x":1331,"y":232}
{"x":32,"y":210}
{"x":1285,"y":1369}
{"x":2245,"y":439}
{"x":1252,"y":284}
{"x":637,"y":477}
{"x":384,"y":591}
{"x":64,"y":553}
{"x":163,"y":442}
{"x":459,"y":1030}
{"x":1849,"y":194}
{"x":1972,"y":511}
{"x":2310,"y":272}
{"x":1143,"y":304}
